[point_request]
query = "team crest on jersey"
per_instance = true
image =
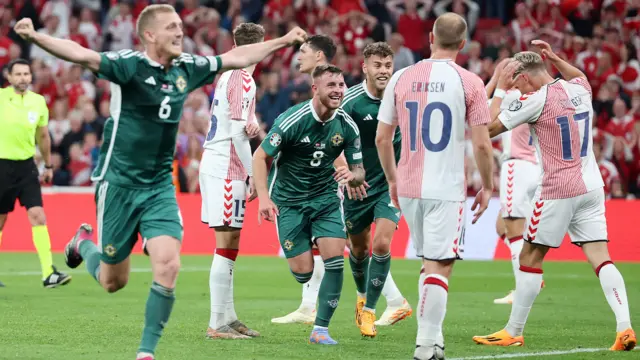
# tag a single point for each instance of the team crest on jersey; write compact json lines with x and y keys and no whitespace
{"x":275,"y":139}
{"x":112,"y":55}
{"x":181,"y":83}
{"x":337,"y":139}
{"x":200,"y":61}
{"x":110,"y":250}
{"x":515,"y":105}
{"x":287,"y":245}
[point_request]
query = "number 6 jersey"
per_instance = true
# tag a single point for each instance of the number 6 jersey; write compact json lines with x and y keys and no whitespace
{"x":560,"y":118}
{"x":432,"y":100}
{"x":146,"y":105}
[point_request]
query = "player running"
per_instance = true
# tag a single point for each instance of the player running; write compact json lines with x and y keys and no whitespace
{"x":570,"y":195}
{"x":361,"y":210}
{"x":430,"y":102}
{"x":319,"y":50}
{"x":302,"y":194}
{"x":518,"y":177}
{"x":225,"y":165}
{"x":134,"y":182}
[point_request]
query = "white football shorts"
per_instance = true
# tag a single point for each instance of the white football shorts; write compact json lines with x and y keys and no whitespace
{"x":436,"y":226}
{"x":223,"y":201}
{"x":518,"y":183}
{"x":581,"y":216}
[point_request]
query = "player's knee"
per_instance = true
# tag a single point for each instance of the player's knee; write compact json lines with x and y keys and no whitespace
{"x":36,"y":216}
{"x":381,"y":246}
{"x":115,"y":283}
{"x":359,"y":250}
{"x":169,"y":268}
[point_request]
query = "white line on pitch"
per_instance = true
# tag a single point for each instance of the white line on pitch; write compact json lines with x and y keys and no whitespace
{"x":541,"y":353}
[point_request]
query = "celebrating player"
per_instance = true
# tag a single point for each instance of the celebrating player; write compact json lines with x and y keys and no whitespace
{"x":226,"y":162}
{"x":431,"y":101}
{"x":134,"y":190}
{"x":570,"y":195}
{"x":317,"y":50}
{"x":518,"y":177}
{"x":361,"y":210}
{"x":302,"y":196}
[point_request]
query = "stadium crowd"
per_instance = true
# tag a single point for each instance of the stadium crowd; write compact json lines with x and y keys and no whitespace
{"x":602,"y":37}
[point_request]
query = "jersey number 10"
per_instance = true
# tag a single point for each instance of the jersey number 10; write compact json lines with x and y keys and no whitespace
{"x":214,"y":122}
{"x":565,"y":134}
{"x":447,"y":119}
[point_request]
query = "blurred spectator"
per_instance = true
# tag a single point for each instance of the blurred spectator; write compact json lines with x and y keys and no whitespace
{"x":90,"y":148}
{"x":402,"y":57}
{"x":274,"y":101}
{"x":75,"y":135}
{"x":122,"y":28}
{"x":79,"y":166}
{"x":90,"y":28}
{"x":61,"y":177}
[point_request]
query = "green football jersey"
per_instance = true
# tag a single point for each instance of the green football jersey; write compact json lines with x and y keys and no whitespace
{"x":363,"y":108}
{"x":304,"y":148}
{"x":146,"y":105}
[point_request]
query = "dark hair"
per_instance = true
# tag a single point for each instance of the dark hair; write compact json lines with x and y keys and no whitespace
{"x":326,"y":68}
{"x":15,"y":62}
{"x":322,"y":43}
{"x":381,"y":49}
{"x":248,"y":33}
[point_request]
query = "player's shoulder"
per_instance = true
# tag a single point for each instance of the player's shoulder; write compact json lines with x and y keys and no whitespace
{"x":293,"y":115}
{"x":125,"y":55}
{"x":347,"y":121}
{"x":466,"y":76}
{"x":189,"y":61}
{"x":578,"y":85}
{"x":352,"y":96}
{"x":37,"y":98}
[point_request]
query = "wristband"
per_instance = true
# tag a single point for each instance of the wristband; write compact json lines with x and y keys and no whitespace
{"x":49,"y":167}
{"x":499,"y":93}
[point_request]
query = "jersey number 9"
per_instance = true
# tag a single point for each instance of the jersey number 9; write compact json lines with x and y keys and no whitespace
{"x":165,"y":109}
{"x":441,"y":144}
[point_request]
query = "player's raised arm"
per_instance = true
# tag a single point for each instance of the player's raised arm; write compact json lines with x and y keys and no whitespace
{"x":567,"y":70}
{"x":64,"y":49}
{"x":247,"y":55}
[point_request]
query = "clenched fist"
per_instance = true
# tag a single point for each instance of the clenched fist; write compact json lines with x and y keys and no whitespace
{"x":25,"y":29}
{"x":295,"y":36}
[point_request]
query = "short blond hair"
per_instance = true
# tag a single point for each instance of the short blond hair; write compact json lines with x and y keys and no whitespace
{"x":529,"y":61}
{"x":248,"y":33}
{"x":147,"y":16}
{"x":450,"y":30}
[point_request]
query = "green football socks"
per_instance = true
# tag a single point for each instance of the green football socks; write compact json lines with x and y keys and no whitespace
{"x":91,"y":256}
{"x":330,"y":289}
{"x":156,"y":316}
{"x":378,"y":271}
{"x":359,"y":269}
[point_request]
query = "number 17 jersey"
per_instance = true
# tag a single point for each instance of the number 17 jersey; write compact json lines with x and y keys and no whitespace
{"x":432,"y":100}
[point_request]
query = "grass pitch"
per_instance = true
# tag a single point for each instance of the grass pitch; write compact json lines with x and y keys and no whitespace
{"x":82,"y":321}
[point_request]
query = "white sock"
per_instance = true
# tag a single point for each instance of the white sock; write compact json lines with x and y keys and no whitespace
{"x":423,"y":275}
{"x":142,"y":355}
{"x":219,"y":285}
{"x":391,"y":292}
{"x":516,"y":248}
{"x":614,"y":290}
{"x":312,"y":287}
{"x":230,"y":308}
{"x":528,"y":282}
{"x":432,"y":309}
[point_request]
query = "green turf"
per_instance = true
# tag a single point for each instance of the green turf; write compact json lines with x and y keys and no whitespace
{"x":81,"y":321}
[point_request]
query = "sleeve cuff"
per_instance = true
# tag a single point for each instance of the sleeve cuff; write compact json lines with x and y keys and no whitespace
{"x":505,"y":121}
{"x":215,"y":63}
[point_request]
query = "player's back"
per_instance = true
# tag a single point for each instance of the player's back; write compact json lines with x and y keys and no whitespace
{"x":234,"y":100}
{"x":563,"y":138}
{"x":433,"y":99}
{"x":146,"y":106}
{"x":517,"y":143}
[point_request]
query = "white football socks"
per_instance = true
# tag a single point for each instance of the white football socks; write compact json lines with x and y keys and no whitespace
{"x":528,"y":282}
{"x":312,"y":287}
{"x":614,"y":290}
{"x":391,"y":292}
{"x":432,"y":308}
{"x":220,"y":287}
{"x":515,"y":245}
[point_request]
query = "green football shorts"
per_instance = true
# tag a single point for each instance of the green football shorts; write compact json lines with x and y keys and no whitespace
{"x":360,"y":214}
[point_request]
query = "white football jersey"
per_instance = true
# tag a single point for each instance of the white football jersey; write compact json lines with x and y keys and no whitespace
{"x":234,"y":100}
{"x":433,"y":100}
{"x":517,"y":143}
{"x":560,"y":117}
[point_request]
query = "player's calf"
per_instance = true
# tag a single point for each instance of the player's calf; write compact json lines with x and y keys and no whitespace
{"x":331,"y":287}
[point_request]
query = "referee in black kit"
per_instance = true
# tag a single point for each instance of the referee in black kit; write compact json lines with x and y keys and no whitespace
{"x":23,"y":123}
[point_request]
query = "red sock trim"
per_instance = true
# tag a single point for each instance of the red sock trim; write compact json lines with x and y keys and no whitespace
{"x":514,"y":239}
{"x":503,"y":236}
{"x":421,"y":270}
{"x":315,"y":252}
{"x":435,"y":281}
{"x":532,"y":270}
{"x":230,"y":254}
{"x":601,"y":266}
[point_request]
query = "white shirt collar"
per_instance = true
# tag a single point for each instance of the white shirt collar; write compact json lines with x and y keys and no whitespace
{"x":366,"y":90}
{"x":315,"y":115}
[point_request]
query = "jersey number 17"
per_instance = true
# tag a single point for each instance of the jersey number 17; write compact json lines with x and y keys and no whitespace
{"x":565,"y":134}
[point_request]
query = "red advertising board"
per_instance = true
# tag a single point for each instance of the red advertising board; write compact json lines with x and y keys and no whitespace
{"x":66,"y":211}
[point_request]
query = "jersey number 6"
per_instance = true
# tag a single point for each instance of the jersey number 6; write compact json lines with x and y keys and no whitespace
{"x":165,"y":109}
{"x":441,"y":144}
